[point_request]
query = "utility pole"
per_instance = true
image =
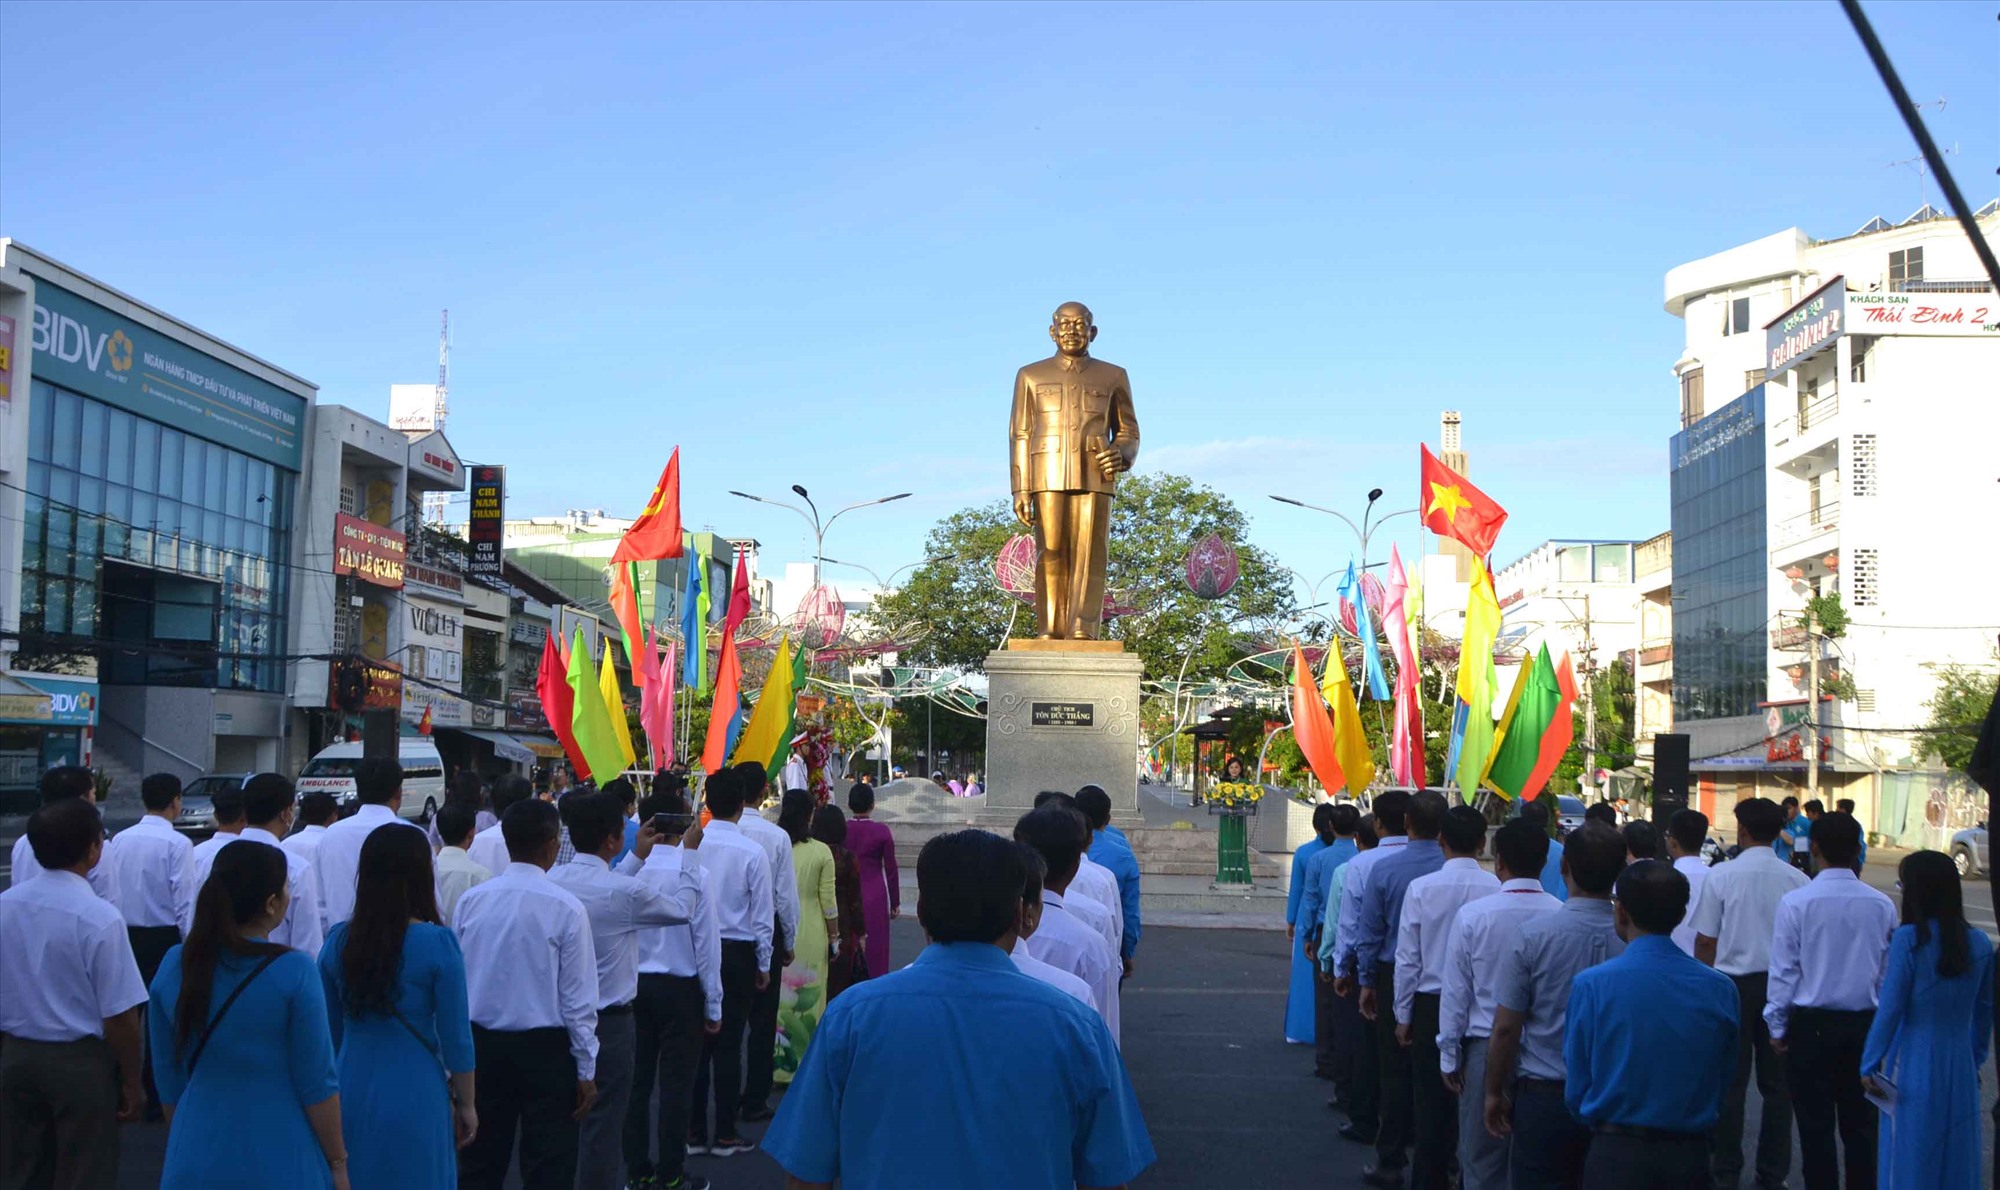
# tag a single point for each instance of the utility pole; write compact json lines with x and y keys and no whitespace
{"x":1589,"y":698}
{"x":1811,"y":727}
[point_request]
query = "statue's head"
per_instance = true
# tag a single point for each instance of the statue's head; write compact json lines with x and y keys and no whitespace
{"x":1072,"y":328}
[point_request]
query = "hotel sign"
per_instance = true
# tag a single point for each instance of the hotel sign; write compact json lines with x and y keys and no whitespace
{"x":1806,"y":329}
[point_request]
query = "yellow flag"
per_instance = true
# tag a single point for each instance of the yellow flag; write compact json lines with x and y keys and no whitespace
{"x":1477,"y":681}
{"x":771,"y":719}
{"x":1350,"y":745}
{"x":614,"y":705}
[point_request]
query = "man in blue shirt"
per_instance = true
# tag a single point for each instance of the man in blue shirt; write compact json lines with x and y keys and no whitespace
{"x":1375,"y":964}
{"x":1536,"y":814}
{"x":889,"y":1095}
{"x":1650,"y":1118}
{"x":1793,"y":844}
{"x":1110,"y":848}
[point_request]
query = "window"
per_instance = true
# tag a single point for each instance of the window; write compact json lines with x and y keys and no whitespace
{"x":1736,"y":317}
{"x":1613,"y":564}
{"x":1752,"y":379}
{"x":1864,"y":701}
{"x":1905,"y":265}
{"x":350,"y":502}
{"x":1862,"y":573}
{"x":1573,"y":564}
{"x":1691,"y":397}
{"x":1861,"y":465}
{"x":1861,"y":350}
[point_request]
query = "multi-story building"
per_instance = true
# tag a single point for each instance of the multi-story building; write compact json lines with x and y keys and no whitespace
{"x":1653,"y":664}
{"x":148,"y":474}
{"x":1837,"y":414}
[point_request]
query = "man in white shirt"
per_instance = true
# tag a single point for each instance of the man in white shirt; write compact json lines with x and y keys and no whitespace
{"x":1031,"y":920}
{"x":1482,"y":935}
{"x":1687,"y":830}
{"x":456,"y":871}
{"x":317,"y":810}
{"x":760,"y":1074}
{"x":1062,"y":939}
{"x":1364,"y":1110}
{"x":1733,"y":919}
{"x":620,"y":907}
{"x":378,"y":787}
{"x":145,"y":862}
{"x":488,"y":848}
{"x":225,"y":809}
{"x":531,"y":990}
{"x":268,"y":799}
{"x":680,"y":1000}
{"x":1430,"y":906}
{"x":1828,"y":947}
{"x":745,"y":918}
{"x":63,"y":781}
{"x":1095,"y":886}
{"x":69,"y":1012}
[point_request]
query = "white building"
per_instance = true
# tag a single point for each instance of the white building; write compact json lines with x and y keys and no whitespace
{"x":1859,"y":446}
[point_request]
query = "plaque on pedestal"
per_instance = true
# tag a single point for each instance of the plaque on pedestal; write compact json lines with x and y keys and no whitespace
{"x":1061,"y":715}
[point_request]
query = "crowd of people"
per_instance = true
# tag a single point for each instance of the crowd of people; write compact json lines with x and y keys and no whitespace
{"x":584,"y":991}
{"x":1591,"y":1012}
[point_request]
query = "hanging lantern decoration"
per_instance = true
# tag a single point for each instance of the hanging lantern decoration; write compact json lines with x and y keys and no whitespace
{"x":1795,"y":573}
{"x":1211,"y":568}
{"x":1014,"y":567}
{"x":1831,"y":561}
{"x":822,"y":616}
{"x":1373,"y":592}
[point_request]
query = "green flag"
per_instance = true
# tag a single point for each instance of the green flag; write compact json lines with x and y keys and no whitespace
{"x":1536,"y":697}
{"x":590,"y":720}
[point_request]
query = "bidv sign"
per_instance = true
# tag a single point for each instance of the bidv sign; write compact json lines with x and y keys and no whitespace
{"x":1806,"y":329}
{"x":107,"y":353}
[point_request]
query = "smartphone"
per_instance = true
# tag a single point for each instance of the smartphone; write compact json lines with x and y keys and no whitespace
{"x":672,"y":824}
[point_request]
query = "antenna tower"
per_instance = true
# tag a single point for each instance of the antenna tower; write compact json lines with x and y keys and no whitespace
{"x":434,"y":502}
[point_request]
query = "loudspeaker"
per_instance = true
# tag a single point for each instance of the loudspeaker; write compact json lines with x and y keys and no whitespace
{"x":1670,"y":776}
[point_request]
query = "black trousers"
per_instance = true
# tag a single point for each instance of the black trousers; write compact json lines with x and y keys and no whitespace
{"x":1774,"y":1132}
{"x":1364,"y":1101}
{"x":1393,"y":1135}
{"x":764,"y":1031}
{"x":1349,"y":1035}
{"x":1619,"y":1161}
{"x":1326,"y":1049}
{"x":670,"y":1012}
{"x":527,"y":1082}
{"x":58,"y":1113}
{"x":1436,"y":1120}
{"x":150,"y":944}
{"x":1824,"y":1066}
{"x":1550,"y":1145}
{"x":722,"y":1053}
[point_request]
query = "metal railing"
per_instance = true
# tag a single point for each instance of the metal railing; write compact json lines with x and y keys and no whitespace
{"x":1819,"y":412}
{"x":1810,"y":523}
{"x":145,"y":747}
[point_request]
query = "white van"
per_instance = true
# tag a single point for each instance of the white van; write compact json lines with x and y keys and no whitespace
{"x":332,"y":771}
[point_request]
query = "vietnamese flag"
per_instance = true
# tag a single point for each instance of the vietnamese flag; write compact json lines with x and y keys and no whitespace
{"x":1562,"y":729}
{"x":558,"y":702}
{"x":1312,"y":726}
{"x":657,"y":532}
{"x":1452,"y":507}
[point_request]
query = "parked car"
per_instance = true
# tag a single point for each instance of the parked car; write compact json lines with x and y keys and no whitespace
{"x":1968,"y":851}
{"x":1569,"y":814}
{"x":332,"y":771}
{"x":197,"y":820}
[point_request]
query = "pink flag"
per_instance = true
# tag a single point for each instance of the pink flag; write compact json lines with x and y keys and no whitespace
{"x":1406,"y":740}
{"x":656,"y":699}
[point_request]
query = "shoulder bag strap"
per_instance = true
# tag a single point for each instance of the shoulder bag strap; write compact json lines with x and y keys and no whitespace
{"x":215,"y":1020}
{"x":423,"y":1041}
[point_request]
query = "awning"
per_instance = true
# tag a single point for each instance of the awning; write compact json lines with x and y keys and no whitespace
{"x":541,"y":745}
{"x":506,"y":747}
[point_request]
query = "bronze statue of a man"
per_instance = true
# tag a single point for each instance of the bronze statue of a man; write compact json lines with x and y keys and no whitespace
{"x":1073,"y":431}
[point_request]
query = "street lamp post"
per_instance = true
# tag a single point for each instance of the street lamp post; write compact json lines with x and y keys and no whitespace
{"x":1363,"y":531}
{"x":812,"y":518}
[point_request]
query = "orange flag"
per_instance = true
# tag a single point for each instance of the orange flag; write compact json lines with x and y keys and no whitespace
{"x":1312,"y":726}
{"x":724,"y":714}
{"x":1556,"y":741}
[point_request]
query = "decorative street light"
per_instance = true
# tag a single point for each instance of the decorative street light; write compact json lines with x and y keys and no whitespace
{"x":819,"y":527}
{"x":1363,"y":531}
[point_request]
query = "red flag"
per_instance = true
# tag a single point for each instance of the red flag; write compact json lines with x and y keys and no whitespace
{"x":424,"y":724}
{"x":559,"y":702}
{"x":657,"y":532}
{"x":1452,"y":507}
{"x":1312,"y":725}
{"x":739,"y":596}
{"x":1555,"y":741}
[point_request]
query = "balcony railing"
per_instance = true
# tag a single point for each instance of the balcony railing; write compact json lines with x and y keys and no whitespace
{"x":1808,"y":524}
{"x":1819,"y":411}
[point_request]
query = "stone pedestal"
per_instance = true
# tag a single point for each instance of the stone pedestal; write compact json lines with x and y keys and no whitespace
{"x":1061,"y":715}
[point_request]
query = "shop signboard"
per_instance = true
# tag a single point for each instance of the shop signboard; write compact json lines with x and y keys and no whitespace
{"x":6,"y":358}
{"x":368,"y":551}
{"x":84,"y":347}
{"x":1923,"y":314}
{"x":1805,"y":330}
{"x":485,"y":528}
{"x":382,"y":684}
{"x":524,"y":712}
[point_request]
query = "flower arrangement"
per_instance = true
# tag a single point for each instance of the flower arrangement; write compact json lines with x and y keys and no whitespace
{"x":814,"y":745}
{"x":1238,"y":796}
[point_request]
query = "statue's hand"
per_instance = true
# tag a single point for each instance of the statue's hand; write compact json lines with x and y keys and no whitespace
{"x":1110,"y":462}
{"x":1024,"y":508}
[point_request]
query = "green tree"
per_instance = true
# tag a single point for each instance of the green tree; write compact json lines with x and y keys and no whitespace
{"x":1961,"y":702}
{"x":1612,"y":688}
{"x":1155,"y":519}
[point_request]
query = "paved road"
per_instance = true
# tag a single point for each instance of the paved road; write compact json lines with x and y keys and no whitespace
{"x":1227,"y":1101}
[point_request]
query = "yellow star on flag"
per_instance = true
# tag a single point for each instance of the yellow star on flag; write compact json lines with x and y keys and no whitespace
{"x":1448,"y":498}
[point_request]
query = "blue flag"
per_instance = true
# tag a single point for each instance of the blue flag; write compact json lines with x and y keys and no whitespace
{"x":694,"y":633}
{"x":1459,"y":717}
{"x":1371,"y":653}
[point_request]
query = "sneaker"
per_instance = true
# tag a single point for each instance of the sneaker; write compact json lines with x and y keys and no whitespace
{"x":684,"y":1182}
{"x":729,"y":1146}
{"x":697,"y":1147}
{"x":644,"y":1181}
{"x":755,"y":1115}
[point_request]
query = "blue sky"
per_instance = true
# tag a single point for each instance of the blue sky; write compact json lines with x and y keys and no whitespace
{"x":810,"y":244}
